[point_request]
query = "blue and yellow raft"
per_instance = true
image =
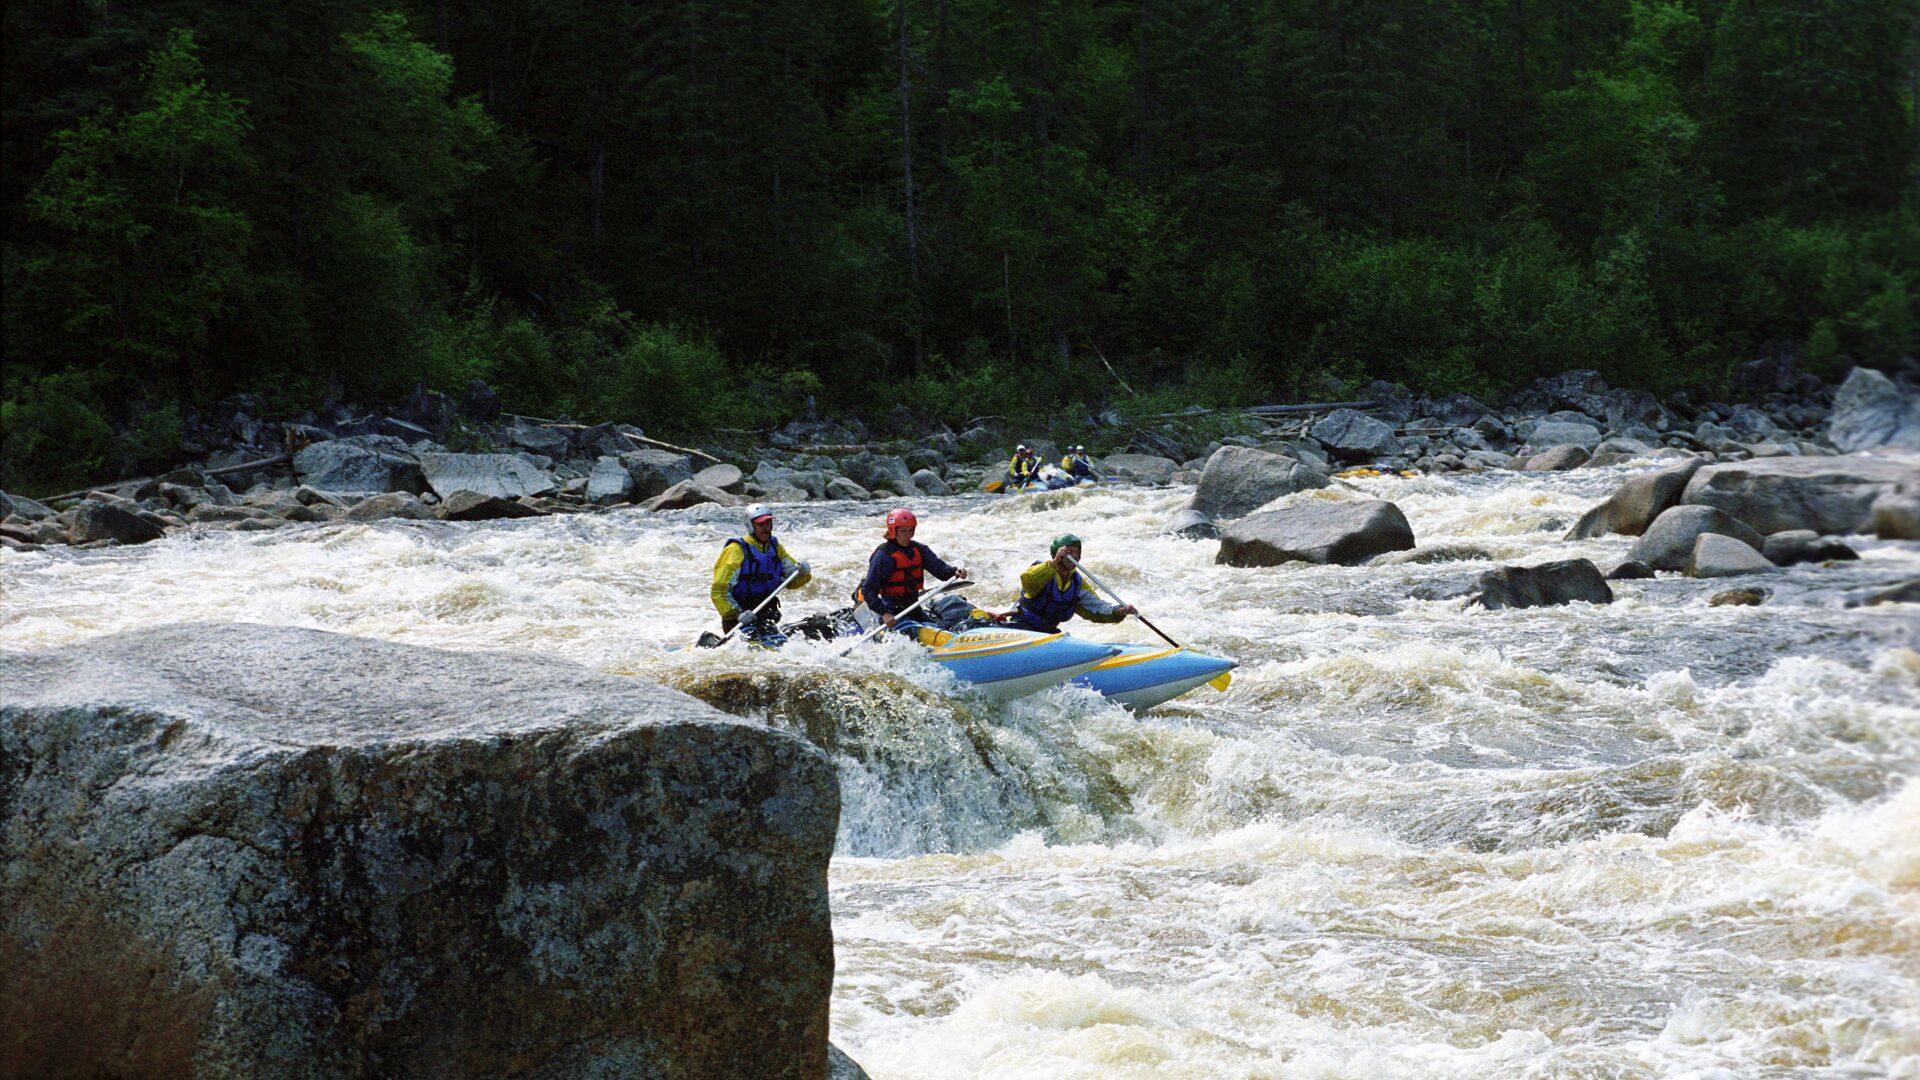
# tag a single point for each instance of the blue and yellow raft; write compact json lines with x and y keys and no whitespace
{"x":1009,"y":663}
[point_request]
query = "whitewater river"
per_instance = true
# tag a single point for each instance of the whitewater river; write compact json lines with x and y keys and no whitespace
{"x":1652,"y":839}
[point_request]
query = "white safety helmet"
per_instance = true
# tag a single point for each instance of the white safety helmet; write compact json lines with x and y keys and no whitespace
{"x":1021,"y":449}
{"x":756,"y":511}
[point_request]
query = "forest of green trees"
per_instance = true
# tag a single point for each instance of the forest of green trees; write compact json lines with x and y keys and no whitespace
{"x":698,"y":213}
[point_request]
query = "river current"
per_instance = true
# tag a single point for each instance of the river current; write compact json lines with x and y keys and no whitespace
{"x":1650,"y":839}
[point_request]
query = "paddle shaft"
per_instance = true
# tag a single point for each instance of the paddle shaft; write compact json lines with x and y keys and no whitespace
{"x":1102,"y":586}
{"x":756,"y":610}
{"x":902,"y":613}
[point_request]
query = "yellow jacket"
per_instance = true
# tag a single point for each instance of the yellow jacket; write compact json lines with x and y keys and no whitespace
{"x":726,"y":570}
{"x":1089,"y":606}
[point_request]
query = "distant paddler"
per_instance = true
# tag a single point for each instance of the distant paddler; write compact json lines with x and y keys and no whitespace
{"x":1077,"y":464}
{"x":1023,"y":469}
{"x":1054,"y":591}
{"x":896,"y":573}
{"x":749,"y":571}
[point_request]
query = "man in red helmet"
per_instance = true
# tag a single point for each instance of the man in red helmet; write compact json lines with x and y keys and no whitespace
{"x":897,"y":568}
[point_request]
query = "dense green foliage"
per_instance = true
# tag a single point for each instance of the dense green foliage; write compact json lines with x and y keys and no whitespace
{"x":698,"y":213}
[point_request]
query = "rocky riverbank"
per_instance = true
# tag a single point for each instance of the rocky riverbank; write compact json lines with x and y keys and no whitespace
{"x":345,"y":465}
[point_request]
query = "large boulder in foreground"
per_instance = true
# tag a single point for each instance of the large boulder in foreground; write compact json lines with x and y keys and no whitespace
{"x":1871,"y":410}
{"x":1321,"y":531}
{"x":1668,"y":542}
{"x":1636,"y":503}
{"x":1826,"y":494}
{"x":272,"y":852}
{"x":1238,"y":480}
{"x":1546,"y":585}
{"x":503,"y":476}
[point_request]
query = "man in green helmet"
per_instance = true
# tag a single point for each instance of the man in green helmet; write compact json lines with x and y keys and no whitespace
{"x":1054,"y":591}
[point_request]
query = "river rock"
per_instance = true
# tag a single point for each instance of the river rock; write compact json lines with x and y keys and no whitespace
{"x":1896,"y":516}
{"x":482,"y":506}
{"x":928,"y":482}
{"x":359,"y":463}
{"x":1140,"y":468}
{"x":879,"y":472}
{"x":1354,"y":436}
{"x":1715,"y":555}
{"x":1631,"y":508}
{"x":93,"y":520}
{"x":1193,"y":525}
{"x":539,"y":440}
{"x":811,"y":481}
{"x":479,"y":403}
{"x":391,"y":504}
{"x":1871,"y":410}
{"x":842,"y":488}
{"x":609,"y":483}
{"x":1825,"y":494}
{"x":691,"y":493}
{"x":1905,"y":592}
{"x":726,"y":477}
{"x":272,"y":852}
{"x":1582,"y":390}
{"x":1558,"y":433}
{"x":1546,"y":585}
{"x":654,"y":471}
{"x":1457,"y":410}
{"x":1668,"y":542}
{"x":1320,"y":531}
{"x":502,"y":476}
{"x":21,"y":506}
{"x":1747,"y":597}
{"x":1557,"y":459}
{"x":1805,"y":546}
{"x":1238,"y":480}
{"x":1630,"y":570}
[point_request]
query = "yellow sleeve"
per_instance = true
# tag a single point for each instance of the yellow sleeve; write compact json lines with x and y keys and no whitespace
{"x":1034,"y":578}
{"x":726,"y":569}
{"x":788,"y":564}
{"x":1067,"y":463}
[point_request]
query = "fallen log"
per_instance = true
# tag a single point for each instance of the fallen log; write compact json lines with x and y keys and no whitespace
{"x":641,"y":439}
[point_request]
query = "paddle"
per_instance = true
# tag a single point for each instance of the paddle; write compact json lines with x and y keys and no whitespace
{"x":749,"y":615}
{"x":1102,"y":586}
{"x":1218,"y":684}
{"x":950,"y":586}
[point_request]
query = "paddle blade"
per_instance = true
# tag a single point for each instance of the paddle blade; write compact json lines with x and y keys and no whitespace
{"x":993,"y":487}
{"x":1225,"y":680}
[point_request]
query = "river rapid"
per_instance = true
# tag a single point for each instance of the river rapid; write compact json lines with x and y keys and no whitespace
{"x":1650,"y":839}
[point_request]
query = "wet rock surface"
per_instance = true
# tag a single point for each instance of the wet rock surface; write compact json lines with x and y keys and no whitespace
{"x":257,"y":851}
{"x":1547,"y":584}
{"x":1322,"y":531}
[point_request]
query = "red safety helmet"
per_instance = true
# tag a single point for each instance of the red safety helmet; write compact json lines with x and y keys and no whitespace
{"x":899,"y":517}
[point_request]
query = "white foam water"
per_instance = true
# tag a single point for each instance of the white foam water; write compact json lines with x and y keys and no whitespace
{"x":1649,"y":839}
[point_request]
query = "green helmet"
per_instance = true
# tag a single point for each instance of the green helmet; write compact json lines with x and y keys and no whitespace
{"x":1063,"y":540}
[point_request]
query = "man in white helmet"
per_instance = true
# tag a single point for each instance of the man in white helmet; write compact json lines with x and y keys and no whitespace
{"x":1077,"y":464}
{"x":750,"y":568}
{"x":1024,"y":469}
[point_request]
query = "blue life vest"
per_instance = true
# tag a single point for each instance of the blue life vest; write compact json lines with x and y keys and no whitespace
{"x":1052,"y":606}
{"x":759,"y":573}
